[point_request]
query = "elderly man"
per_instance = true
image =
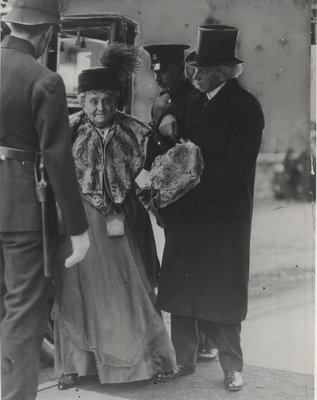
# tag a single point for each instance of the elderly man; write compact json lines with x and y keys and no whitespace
{"x":205,"y":266}
{"x":34,"y":121}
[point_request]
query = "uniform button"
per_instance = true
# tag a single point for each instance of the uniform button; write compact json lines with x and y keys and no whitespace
{"x":23,"y":162}
{"x":159,"y":143}
{"x":187,"y":275}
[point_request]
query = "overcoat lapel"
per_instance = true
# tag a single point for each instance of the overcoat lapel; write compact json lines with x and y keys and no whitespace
{"x":201,"y":111}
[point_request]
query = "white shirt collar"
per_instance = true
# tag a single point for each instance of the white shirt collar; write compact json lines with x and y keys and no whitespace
{"x":213,"y":92}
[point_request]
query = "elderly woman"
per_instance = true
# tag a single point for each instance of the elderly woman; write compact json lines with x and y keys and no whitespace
{"x":106,"y":323}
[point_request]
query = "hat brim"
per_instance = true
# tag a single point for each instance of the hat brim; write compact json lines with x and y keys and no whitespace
{"x":191,"y":61}
{"x":97,"y":78}
{"x":30,"y":17}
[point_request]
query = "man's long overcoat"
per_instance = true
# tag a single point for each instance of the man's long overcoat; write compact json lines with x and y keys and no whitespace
{"x":205,"y":267}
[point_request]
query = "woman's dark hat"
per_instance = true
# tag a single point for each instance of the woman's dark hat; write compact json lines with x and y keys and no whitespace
{"x":162,"y":55}
{"x":33,"y":12}
{"x":98,"y":78}
{"x":216,"y":45}
{"x":118,"y":62}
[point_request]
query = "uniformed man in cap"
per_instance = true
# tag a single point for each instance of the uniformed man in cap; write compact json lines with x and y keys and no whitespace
{"x":205,"y":266}
{"x":167,"y":63}
{"x":34,"y":126}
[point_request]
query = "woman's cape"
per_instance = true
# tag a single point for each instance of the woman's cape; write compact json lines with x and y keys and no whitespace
{"x":112,"y":166}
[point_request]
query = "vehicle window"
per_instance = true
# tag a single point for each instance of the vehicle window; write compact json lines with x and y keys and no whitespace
{"x":78,"y":50}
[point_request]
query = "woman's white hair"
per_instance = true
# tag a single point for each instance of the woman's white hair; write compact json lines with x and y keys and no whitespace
{"x":81,"y":96}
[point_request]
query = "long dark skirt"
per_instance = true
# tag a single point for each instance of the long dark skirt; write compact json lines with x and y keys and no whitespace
{"x":106,"y":322}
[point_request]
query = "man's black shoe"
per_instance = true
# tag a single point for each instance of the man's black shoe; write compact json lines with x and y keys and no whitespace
{"x":173,"y":374}
{"x":233,"y":381}
{"x":207,"y":355}
{"x":67,"y":381}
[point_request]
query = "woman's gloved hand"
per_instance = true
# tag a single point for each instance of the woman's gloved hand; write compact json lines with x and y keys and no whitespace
{"x":144,"y":194}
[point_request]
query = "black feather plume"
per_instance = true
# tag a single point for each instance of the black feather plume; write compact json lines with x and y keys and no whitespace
{"x":121,"y":58}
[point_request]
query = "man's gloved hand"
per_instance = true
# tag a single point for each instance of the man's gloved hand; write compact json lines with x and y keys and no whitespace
{"x":159,"y":105}
{"x":80,"y":244}
{"x":168,"y":127}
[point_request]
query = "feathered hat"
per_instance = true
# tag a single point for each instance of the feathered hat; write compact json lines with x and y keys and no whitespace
{"x":118,"y":62}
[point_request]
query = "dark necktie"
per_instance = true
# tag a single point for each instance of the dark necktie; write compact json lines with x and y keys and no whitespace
{"x":206,"y":100}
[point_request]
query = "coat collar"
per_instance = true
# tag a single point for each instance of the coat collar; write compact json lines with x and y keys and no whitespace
{"x":12,"y":42}
{"x":203,"y":111}
{"x":182,"y":90}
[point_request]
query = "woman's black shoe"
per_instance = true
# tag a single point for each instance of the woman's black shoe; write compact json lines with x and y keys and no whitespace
{"x":67,"y":381}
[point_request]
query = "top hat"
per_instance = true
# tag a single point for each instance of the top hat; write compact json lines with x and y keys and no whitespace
{"x":216,"y":45}
{"x":98,"y":78}
{"x":33,"y":12}
{"x":162,"y":55}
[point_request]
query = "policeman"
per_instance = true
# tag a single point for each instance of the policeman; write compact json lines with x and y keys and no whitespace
{"x":34,"y":124}
{"x":167,"y":62}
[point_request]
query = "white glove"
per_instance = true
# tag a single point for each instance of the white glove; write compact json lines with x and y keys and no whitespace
{"x":80,"y":244}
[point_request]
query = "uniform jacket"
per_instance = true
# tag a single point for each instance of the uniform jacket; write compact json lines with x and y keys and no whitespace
{"x":34,"y":117}
{"x":205,"y":265}
{"x":157,"y":144}
{"x":176,"y":101}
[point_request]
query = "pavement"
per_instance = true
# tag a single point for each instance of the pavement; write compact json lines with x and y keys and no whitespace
{"x":206,"y":383}
{"x":278,"y":343}
{"x":277,"y":336}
